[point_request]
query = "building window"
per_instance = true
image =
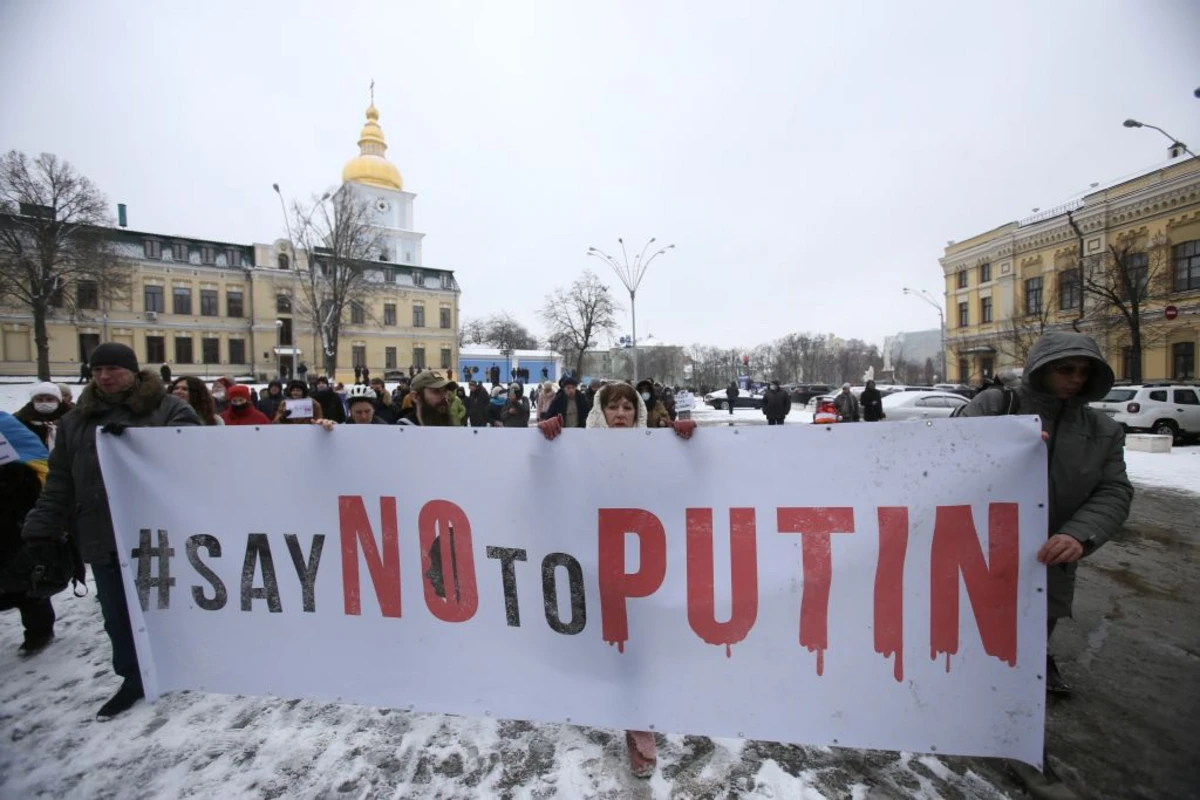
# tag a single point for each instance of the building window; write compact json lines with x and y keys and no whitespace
{"x":283,"y":262}
{"x":962,"y":279}
{"x":1183,"y":358}
{"x":389,"y":358}
{"x":1138,"y":272}
{"x":389,"y":313}
{"x":985,"y":272}
{"x":208,"y":255}
{"x":56,"y":295}
{"x":87,"y":343}
{"x":209,"y":303}
{"x":156,"y":350}
{"x":986,"y":366}
{"x":389,"y":275}
{"x":964,"y":371}
{"x":233,"y":258}
{"x":285,"y":333}
{"x":985,"y":310}
{"x":358,"y":355}
{"x":153,"y":249}
{"x":418,"y":316}
{"x":237,"y":351}
{"x":1127,"y":363}
{"x":418,"y":277}
{"x":419,"y":357}
{"x":183,"y":349}
{"x":210,"y":351}
{"x":445,"y":358}
{"x":964,"y":315}
{"x":358,"y":314}
{"x":182,"y":301}
{"x":1070,"y":293}
{"x":153,"y":298}
{"x":87,"y":294}
{"x":444,"y":317}
{"x":179,"y":251}
{"x":1033,"y":296}
{"x":233,"y":304}
{"x":283,"y":304}
{"x":1187,"y":266}
{"x":447,"y":282}
{"x":408,"y":257}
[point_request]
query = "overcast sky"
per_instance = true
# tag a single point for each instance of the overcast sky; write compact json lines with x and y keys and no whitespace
{"x":808,"y":159}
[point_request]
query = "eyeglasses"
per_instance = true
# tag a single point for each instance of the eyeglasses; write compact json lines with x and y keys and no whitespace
{"x":1066,"y":369}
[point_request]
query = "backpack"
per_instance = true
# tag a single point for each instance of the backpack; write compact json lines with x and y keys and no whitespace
{"x":1010,"y":405}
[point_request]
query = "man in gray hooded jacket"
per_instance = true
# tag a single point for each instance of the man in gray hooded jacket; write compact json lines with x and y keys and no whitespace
{"x":1089,"y":491}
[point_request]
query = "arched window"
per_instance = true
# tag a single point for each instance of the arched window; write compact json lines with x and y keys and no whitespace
{"x":284,"y":261}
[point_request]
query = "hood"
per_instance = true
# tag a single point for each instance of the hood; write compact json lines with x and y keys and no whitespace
{"x":1055,"y":346}
{"x":596,"y":419}
{"x":148,"y":392}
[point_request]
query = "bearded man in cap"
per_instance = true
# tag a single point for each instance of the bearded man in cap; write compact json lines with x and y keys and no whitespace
{"x":431,"y":403}
{"x":119,"y":396}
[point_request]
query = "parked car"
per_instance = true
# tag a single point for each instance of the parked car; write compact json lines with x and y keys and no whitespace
{"x":956,"y":388}
{"x":1168,"y":409}
{"x":901,"y":406}
{"x":746,"y":399}
{"x":801,"y":393}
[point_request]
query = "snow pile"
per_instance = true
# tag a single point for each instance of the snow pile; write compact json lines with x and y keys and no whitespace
{"x":1178,"y":470}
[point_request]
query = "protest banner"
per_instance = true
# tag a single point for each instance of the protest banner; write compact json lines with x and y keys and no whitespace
{"x":857,"y":585}
{"x":684,"y":401}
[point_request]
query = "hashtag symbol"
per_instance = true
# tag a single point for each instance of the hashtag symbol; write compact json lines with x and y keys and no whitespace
{"x":145,"y":555}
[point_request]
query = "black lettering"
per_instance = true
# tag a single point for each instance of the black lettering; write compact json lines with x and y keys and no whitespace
{"x":306,"y":572}
{"x":258,"y":548}
{"x":220,"y":596}
{"x":508,"y":574}
{"x":145,"y":581}
{"x":550,"y":593}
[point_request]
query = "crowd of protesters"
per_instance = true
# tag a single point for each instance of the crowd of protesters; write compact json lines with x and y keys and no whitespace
{"x":54,"y":514}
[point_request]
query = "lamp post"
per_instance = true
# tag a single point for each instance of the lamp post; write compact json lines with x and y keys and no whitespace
{"x":631,"y":273}
{"x":1133,"y":123}
{"x":922,"y":294}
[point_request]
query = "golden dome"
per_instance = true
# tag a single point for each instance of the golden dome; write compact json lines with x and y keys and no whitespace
{"x":371,"y":166}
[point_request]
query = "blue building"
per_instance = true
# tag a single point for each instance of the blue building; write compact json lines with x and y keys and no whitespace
{"x":477,"y":363}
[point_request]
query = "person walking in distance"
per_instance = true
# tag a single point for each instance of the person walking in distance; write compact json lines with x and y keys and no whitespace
{"x":732,"y":394}
{"x":119,"y":396}
{"x":847,"y":405}
{"x":871,"y":402}
{"x":1089,"y":491}
{"x":776,"y":404}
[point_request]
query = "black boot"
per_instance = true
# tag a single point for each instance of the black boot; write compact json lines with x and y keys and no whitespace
{"x":1055,"y":684}
{"x":126,"y":696}
{"x":35,"y":642}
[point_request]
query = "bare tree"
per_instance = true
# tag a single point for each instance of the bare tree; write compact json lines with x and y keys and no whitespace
{"x":504,"y":332}
{"x":577,"y":315}
{"x":1018,"y":333}
{"x":339,"y":243}
{"x":54,"y":251}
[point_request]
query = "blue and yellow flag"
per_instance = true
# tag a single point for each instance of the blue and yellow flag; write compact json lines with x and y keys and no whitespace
{"x":21,"y":445}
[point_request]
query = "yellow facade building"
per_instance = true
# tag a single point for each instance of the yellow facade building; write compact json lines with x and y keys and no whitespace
{"x":214,"y":308}
{"x":1007,"y":285}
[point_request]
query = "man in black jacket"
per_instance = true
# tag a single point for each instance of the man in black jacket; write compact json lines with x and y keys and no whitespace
{"x":871,"y":403}
{"x":776,"y":404}
{"x":120,"y":396}
{"x":570,"y":403}
{"x":731,"y":395}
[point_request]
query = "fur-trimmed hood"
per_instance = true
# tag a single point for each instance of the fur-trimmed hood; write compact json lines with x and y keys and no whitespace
{"x":596,"y":415}
{"x":148,"y":392}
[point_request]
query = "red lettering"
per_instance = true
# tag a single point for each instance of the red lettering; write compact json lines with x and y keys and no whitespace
{"x":743,"y":557}
{"x":991,"y":586}
{"x":815,"y":525}
{"x":384,"y":569}
{"x":445,"y":524}
{"x":615,"y":583}
{"x":889,"y":586}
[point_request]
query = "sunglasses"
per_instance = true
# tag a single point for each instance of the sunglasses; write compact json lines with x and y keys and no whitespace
{"x":1082,"y":370}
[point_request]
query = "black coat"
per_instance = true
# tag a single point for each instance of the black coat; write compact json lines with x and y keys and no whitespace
{"x":776,"y":403}
{"x":36,"y":421}
{"x":477,"y":407}
{"x":558,"y":406}
{"x":331,"y":404}
{"x":732,"y":393}
{"x":871,"y":402}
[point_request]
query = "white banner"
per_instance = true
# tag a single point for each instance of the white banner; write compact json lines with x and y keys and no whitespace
{"x":856,"y":585}
{"x":684,"y":401}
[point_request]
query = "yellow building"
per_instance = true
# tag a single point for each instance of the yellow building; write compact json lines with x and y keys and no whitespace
{"x":214,"y":308}
{"x":1007,"y":285}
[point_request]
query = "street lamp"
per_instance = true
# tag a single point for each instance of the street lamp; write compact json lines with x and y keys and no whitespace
{"x":1133,"y":123}
{"x":922,"y":294}
{"x":631,"y":274}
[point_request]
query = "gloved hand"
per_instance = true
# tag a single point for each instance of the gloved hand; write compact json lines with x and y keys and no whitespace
{"x":115,"y":428}
{"x":551,"y":428}
{"x":42,"y":568}
{"x":684,"y":428}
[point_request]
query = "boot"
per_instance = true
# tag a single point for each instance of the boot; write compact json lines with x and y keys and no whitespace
{"x":35,"y":642}
{"x":643,"y":753}
{"x":126,"y":696}
{"x":1055,"y":684}
{"x":1042,"y":785}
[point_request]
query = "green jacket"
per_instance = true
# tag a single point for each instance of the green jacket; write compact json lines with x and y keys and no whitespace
{"x":1089,"y":491}
{"x":458,"y":411}
{"x":74,"y":494}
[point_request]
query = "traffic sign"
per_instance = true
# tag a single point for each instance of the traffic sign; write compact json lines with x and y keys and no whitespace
{"x":1170,"y":312}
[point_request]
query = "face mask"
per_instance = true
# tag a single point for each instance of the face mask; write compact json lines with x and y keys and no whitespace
{"x":46,"y":408}
{"x":218,"y":394}
{"x":646,"y":396}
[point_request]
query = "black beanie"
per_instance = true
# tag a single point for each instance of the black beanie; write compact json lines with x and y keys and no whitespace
{"x":113,"y":354}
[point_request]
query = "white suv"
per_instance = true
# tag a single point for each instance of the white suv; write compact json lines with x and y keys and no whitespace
{"x":1163,"y":408}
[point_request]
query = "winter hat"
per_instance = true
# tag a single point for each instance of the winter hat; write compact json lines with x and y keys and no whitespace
{"x":845,"y":386}
{"x":428,"y":380}
{"x":114,"y":354}
{"x":239,"y":390}
{"x":301,"y":385}
{"x":45,"y":388}
{"x":568,"y":380}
